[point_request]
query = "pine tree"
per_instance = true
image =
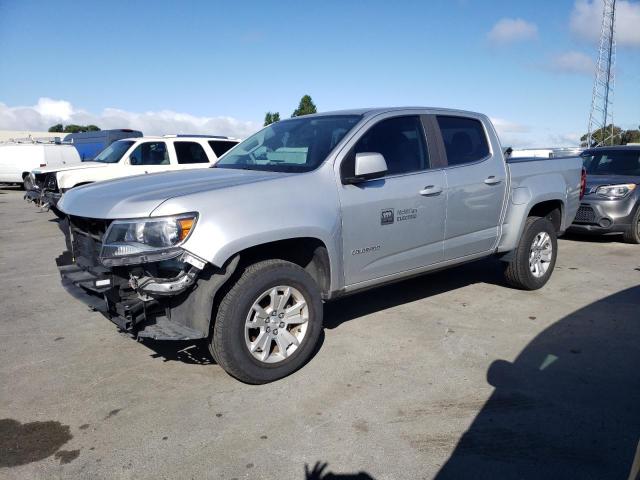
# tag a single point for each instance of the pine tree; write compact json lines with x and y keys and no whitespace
{"x":305,"y":107}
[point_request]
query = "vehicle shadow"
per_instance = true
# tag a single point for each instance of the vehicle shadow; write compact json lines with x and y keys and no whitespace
{"x":567,"y":407}
{"x":337,"y":312}
{"x":187,"y":351}
{"x":577,"y":237}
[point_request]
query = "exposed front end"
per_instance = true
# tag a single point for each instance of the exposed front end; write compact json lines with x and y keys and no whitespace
{"x":142,"y":288}
{"x":44,"y":191}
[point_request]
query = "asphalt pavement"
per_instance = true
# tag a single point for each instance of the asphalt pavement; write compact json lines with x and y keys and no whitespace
{"x":450,"y":375}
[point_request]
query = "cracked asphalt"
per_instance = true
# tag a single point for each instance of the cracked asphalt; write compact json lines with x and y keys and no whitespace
{"x":451,"y":375}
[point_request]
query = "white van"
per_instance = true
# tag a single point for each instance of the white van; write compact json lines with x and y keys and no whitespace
{"x":18,"y":159}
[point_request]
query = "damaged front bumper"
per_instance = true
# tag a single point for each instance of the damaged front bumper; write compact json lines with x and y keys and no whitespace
{"x":148,"y":301}
{"x":43,"y":198}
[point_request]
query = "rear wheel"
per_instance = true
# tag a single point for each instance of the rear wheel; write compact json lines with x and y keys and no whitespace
{"x":633,"y":234}
{"x":535,"y":256}
{"x":268,"y":323}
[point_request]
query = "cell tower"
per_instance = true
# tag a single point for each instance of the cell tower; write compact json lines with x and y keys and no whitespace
{"x":603,"y":86}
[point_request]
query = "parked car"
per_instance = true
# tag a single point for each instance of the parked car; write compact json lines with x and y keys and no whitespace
{"x":128,"y":157}
{"x":612,"y":199}
{"x":18,"y":159}
{"x":90,"y":144}
{"x":309,"y":209}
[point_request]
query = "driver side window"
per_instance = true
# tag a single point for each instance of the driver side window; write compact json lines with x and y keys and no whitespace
{"x":400,"y":140}
{"x":150,"y":153}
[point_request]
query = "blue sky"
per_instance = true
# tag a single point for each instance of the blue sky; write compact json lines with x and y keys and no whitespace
{"x":175,"y":65}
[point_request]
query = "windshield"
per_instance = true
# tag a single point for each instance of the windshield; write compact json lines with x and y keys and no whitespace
{"x":297,"y":145}
{"x":612,"y":162}
{"x":114,"y":152}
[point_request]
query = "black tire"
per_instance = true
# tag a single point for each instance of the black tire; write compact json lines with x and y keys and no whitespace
{"x":27,"y":184}
{"x":518,"y":273}
{"x":228,"y":345}
{"x":633,"y":234}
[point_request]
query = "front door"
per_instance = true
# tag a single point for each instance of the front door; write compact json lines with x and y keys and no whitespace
{"x":396,"y":223}
{"x":150,"y":157}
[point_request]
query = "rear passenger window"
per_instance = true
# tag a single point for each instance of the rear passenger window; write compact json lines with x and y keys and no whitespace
{"x":220,"y":147}
{"x":190,"y":152}
{"x":400,"y":140}
{"x":464,"y":139}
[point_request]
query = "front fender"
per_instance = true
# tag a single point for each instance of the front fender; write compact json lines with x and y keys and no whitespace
{"x":245,"y":216}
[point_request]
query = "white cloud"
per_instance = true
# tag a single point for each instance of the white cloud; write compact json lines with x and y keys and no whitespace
{"x":586,"y":20}
{"x":509,"y":30}
{"x":572,"y":62}
{"x":48,"y":112}
{"x":511,"y":133}
{"x":517,"y":135}
{"x":506,"y":126}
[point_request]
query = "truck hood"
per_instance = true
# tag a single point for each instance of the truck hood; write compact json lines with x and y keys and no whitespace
{"x":594,"y":181}
{"x":72,"y":166}
{"x":140,"y":195}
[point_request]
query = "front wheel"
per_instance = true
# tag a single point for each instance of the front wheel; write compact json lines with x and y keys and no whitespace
{"x":268,"y":323}
{"x":535,"y":256}
{"x":633,"y":234}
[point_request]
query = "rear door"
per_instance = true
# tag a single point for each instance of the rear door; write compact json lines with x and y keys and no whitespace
{"x":396,"y":223}
{"x":191,"y":154}
{"x":476,"y":182}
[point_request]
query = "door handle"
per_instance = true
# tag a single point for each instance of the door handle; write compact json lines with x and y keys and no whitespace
{"x":492,"y":180}
{"x":431,"y":190}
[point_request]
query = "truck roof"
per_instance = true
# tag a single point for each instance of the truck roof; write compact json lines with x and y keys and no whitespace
{"x":378,"y":110}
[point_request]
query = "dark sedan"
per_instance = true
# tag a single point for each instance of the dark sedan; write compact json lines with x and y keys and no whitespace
{"x":612,"y":198}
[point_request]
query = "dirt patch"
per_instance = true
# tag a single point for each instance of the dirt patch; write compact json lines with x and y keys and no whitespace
{"x":112,"y":413}
{"x":30,"y":442}
{"x":66,"y":456}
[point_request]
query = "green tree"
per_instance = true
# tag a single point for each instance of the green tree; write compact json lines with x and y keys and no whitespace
{"x":57,"y":128}
{"x":271,"y":117}
{"x":305,"y":107}
{"x":601,"y":135}
{"x":631,"y":136}
{"x":72,"y":128}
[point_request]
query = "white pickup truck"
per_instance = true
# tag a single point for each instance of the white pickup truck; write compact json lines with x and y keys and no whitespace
{"x":125,"y":158}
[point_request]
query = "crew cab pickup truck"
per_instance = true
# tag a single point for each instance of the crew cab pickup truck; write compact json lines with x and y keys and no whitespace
{"x":128,"y":157}
{"x":304,"y":211}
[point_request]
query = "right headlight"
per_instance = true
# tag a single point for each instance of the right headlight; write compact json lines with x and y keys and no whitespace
{"x":146,"y":239}
{"x":615,"y":191}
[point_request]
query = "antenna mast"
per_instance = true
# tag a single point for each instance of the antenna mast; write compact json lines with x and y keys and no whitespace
{"x":601,"y":114}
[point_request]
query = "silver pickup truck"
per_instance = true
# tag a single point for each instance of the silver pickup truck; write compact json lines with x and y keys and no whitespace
{"x":304,"y":211}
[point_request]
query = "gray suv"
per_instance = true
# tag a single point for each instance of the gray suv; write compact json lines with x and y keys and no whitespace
{"x":612,"y":198}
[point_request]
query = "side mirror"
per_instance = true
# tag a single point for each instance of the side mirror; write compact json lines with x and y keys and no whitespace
{"x":368,"y":165}
{"x":133,"y":160}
